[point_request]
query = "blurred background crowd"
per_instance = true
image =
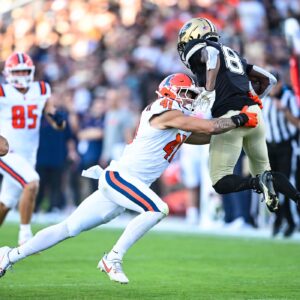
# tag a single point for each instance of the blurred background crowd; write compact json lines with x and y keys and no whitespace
{"x":104,"y":60}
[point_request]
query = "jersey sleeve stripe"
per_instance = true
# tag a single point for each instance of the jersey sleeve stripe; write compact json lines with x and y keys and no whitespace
{"x":43,"y":87}
{"x":2,"y":93}
{"x":130,"y":191}
{"x":12,"y":173}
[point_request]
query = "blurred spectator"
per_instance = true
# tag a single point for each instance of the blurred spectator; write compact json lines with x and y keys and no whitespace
{"x":56,"y":147}
{"x":90,"y":137}
{"x":253,"y":19}
{"x":119,"y":125}
{"x":190,"y":165}
{"x":280,"y":134}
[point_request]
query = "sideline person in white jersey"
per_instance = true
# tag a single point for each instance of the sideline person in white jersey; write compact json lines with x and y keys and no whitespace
{"x":164,"y":126}
{"x":22,"y":103}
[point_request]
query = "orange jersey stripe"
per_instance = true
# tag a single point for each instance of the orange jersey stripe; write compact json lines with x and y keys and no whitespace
{"x":129,"y":191}
{"x":2,"y":94}
{"x":43,"y":87}
{"x":12,"y":173}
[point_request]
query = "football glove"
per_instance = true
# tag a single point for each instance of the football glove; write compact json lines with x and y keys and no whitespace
{"x":256,"y":99}
{"x":206,"y":100}
{"x":245,"y":118}
{"x":58,"y":117}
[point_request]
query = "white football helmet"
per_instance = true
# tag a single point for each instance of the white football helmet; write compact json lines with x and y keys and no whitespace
{"x":181,"y":88}
{"x":19,"y":61}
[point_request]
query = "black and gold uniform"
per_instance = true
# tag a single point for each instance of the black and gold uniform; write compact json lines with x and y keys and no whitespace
{"x":200,"y":50}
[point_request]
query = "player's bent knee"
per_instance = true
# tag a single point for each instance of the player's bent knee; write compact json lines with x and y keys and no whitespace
{"x":33,"y":186}
{"x":219,"y":188}
{"x":164,"y":209}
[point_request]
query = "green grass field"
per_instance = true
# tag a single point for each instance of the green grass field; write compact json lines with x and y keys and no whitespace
{"x":160,"y":266}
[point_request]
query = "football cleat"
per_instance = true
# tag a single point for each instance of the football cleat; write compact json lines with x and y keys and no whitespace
{"x":113,"y":269}
{"x":5,"y":263}
{"x":265,"y":181}
{"x":24,"y":236}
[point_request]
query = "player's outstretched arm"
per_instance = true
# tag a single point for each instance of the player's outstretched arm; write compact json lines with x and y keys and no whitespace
{"x":4,"y":147}
{"x":56,"y":119}
{"x":265,"y":79}
{"x":176,"y":119}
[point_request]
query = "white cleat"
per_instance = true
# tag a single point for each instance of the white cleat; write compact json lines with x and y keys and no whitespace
{"x":5,"y":263}
{"x":24,"y":237}
{"x":113,"y":269}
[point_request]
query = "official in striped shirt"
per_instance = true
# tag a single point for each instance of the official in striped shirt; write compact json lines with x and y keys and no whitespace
{"x":280,"y":134}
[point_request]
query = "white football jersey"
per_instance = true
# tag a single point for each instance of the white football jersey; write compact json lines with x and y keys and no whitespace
{"x":20,"y":117}
{"x":152,"y":149}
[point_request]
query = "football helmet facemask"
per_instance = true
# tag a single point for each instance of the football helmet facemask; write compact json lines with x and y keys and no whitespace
{"x":15,"y":63}
{"x":196,"y":28}
{"x":181,"y":88}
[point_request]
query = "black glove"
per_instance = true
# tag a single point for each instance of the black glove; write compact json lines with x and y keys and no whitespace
{"x":240,"y":119}
{"x":59,"y":117}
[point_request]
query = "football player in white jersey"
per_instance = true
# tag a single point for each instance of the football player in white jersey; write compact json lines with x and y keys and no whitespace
{"x":164,"y":126}
{"x":22,"y":103}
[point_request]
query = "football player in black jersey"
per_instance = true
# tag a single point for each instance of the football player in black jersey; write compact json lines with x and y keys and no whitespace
{"x":229,"y":84}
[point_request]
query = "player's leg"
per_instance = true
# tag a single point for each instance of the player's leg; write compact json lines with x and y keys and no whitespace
{"x":190,"y":165}
{"x":256,"y":150}
{"x":224,"y":152}
{"x":20,"y":183}
{"x":93,"y":211}
{"x":10,"y":193}
{"x":3,"y":212}
{"x":132,"y":194}
{"x":26,"y":208}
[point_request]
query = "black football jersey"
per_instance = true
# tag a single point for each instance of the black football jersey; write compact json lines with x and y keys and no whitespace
{"x":232,"y":83}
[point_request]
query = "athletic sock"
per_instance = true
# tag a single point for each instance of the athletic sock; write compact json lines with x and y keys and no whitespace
{"x":235,"y":183}
{"x":133,"y":232}
{"x":25,"y":228}
{"x":283,"y":186}
{"x":44,"y":239}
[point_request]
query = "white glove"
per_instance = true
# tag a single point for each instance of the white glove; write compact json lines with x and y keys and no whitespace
{"x":205,"y":100}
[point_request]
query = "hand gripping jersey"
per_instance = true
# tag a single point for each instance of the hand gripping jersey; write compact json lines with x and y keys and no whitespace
{"x":232,"y":83}
{"x":20,"y":116}
{"x":152,"y":149}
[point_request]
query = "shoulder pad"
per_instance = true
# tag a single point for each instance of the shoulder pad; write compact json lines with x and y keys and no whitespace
{"x":44,"y":88}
